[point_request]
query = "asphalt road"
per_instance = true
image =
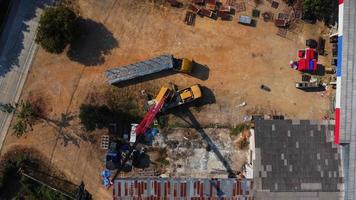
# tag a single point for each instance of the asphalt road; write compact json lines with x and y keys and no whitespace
{"x":17,"y":50}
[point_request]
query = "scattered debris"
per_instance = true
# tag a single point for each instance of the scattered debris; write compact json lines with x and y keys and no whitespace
{"x":175,"y":3}
{"x":240,"y":7}
{"x":267,"y":16}
{"x":275,"y":4}
{"x":256,"y":13}
{"x":282,"y":32}
{"x":265,"y":88}
{"x":281,"y":23}
{"x":190,"y":18}
{"x":242,"y":104}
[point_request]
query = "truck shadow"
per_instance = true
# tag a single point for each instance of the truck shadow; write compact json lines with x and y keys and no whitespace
{"x":200,"y":71}
{"x":94,"y":43}
{"x":208,"y":97}
{"x":317,"y":89}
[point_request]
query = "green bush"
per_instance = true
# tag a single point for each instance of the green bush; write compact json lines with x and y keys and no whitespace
{"x":239,"y":128}
{"x":326,"y":10}
{"x":25,"y":114}
{"x":57,"y":28}
{"x":25,"y":188}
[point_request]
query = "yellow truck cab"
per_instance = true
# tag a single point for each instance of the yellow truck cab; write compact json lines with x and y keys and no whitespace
{"x":183,"y":65}
{"x":189,"y":94}
{"x":186,"y":66}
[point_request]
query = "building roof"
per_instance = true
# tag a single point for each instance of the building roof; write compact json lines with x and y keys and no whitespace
{"x":345,"y":112}
{"x":182,"y":188}
{"x":347,"y":57}
{"x":296,"y":156}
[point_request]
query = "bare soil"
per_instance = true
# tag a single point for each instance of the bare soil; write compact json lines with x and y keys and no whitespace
{"x":237,"y":60}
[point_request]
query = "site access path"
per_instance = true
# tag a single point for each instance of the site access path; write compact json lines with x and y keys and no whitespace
{"x":17,"y":49}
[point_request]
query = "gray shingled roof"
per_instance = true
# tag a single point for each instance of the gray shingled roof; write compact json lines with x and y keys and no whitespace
{"x":296,"y":156}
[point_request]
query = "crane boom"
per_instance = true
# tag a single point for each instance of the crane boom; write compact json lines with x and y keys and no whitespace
{"x":149,"y":117}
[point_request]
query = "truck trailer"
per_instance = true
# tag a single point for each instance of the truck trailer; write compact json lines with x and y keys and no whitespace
{"x":144,"y":68}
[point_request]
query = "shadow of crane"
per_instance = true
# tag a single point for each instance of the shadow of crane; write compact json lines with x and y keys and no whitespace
{"x":187,"y":116}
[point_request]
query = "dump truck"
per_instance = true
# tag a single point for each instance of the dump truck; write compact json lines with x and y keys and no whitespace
{"x":148,"y":67}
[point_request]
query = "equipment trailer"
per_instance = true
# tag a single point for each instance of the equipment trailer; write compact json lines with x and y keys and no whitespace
{"x":148,"y":67}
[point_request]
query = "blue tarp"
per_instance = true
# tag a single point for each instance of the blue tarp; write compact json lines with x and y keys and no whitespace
{"x":150,"y":134}
{"x":106,"y":177}
{"x":311,"y":65}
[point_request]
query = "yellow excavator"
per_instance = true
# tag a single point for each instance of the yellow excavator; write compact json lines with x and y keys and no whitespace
{"x":177,"y":97}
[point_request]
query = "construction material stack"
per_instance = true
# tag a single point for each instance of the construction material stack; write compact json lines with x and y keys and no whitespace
{"x":148,"y":67}
{"x":307,"y":61}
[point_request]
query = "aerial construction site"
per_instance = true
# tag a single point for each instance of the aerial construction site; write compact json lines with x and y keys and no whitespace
{"x":161,"y":99}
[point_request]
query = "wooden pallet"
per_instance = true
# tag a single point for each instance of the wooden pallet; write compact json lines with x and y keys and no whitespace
{"x":283,"y":16}
{"x":190,"y":18}
{"x":231,"y":2}
{"x":240,"y":7}
{"x":282,"y":32}
{"x":105,"y":142}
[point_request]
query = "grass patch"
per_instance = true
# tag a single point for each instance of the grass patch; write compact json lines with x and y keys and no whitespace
{"x":239,"y":128}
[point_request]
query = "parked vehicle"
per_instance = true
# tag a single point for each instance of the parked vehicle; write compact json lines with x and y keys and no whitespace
{"x":246,"y":20}
{"x":305,"y":85}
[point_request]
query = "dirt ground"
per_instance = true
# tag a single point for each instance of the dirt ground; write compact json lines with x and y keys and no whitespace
{"x":238,"y":60}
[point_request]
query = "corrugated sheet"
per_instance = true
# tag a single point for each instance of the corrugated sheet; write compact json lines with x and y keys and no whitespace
{"x":347,"y":72}
{"x":132,"y":71}
{"x":171,"y":188}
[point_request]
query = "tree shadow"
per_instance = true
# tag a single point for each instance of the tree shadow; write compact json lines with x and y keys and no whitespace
{"x":12,"y":37}
{"x":94,"y":43}
{"x":200,"y":71}
{"x":60,"y":125}
{"x":93,"y":117}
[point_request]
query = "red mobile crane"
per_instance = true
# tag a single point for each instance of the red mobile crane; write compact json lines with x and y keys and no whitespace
{"x":142,"y":128}
{"x":149,"y":117}
{"x":168,"y":97}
